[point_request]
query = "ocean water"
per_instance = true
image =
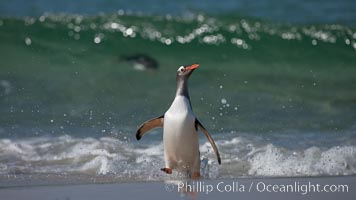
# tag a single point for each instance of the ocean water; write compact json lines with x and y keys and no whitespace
{"x":277,"y":92}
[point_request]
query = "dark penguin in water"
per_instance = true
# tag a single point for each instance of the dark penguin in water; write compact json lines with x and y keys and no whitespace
{"x":180,"y":130}
{"x":142,"y":62}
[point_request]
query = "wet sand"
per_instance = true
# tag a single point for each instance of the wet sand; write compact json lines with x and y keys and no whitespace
{"x":241,"y":188}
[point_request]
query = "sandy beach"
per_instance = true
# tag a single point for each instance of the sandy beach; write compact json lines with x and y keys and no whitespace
{"x":242,"y":188}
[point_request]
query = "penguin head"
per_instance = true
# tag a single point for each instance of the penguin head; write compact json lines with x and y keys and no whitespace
{"x":186,"y":71}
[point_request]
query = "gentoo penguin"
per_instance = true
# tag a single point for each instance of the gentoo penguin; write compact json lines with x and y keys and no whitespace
{"x":180,"y":130}
{"x":141,"y":62}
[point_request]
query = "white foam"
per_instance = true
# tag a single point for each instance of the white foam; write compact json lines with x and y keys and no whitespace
{"x":243,"y":157}
{"x":98,"y":165}
{"x":274,"y":161}
{"x":142,"y":161}
{"x":61,"y":154}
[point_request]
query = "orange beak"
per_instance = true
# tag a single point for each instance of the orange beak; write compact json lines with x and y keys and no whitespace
{"x":191,"y":67}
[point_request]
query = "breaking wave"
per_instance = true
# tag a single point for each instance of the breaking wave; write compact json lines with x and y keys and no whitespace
{"x":130,"y":161}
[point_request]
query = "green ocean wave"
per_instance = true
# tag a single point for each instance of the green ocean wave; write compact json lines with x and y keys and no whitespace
{"x":65,"y":71}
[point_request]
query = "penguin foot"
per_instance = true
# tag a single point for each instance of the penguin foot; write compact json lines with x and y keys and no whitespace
{"x":196,"y":175}
{"x":167,"y":170}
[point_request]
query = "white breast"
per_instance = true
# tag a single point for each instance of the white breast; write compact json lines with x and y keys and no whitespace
{"x":180,"y":137}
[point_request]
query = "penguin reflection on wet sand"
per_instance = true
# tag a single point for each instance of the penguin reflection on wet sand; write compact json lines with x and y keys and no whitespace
{"x":142,"y":62}
{"x":180,"y":130}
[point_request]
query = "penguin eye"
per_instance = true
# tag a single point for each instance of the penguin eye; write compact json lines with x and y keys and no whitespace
{"x":181,"y":69}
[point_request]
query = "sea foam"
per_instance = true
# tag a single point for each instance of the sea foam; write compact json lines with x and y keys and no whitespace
{"x":142,"y":161}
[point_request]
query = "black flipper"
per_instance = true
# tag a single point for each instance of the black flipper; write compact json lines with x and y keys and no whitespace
{"x":206,"y":133}
{"x":149,"y":125}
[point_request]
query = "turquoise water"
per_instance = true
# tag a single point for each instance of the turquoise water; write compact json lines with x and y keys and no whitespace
{"x":272,"y":77}
{"x":290,"y":11}
{"x":266,"y":90}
